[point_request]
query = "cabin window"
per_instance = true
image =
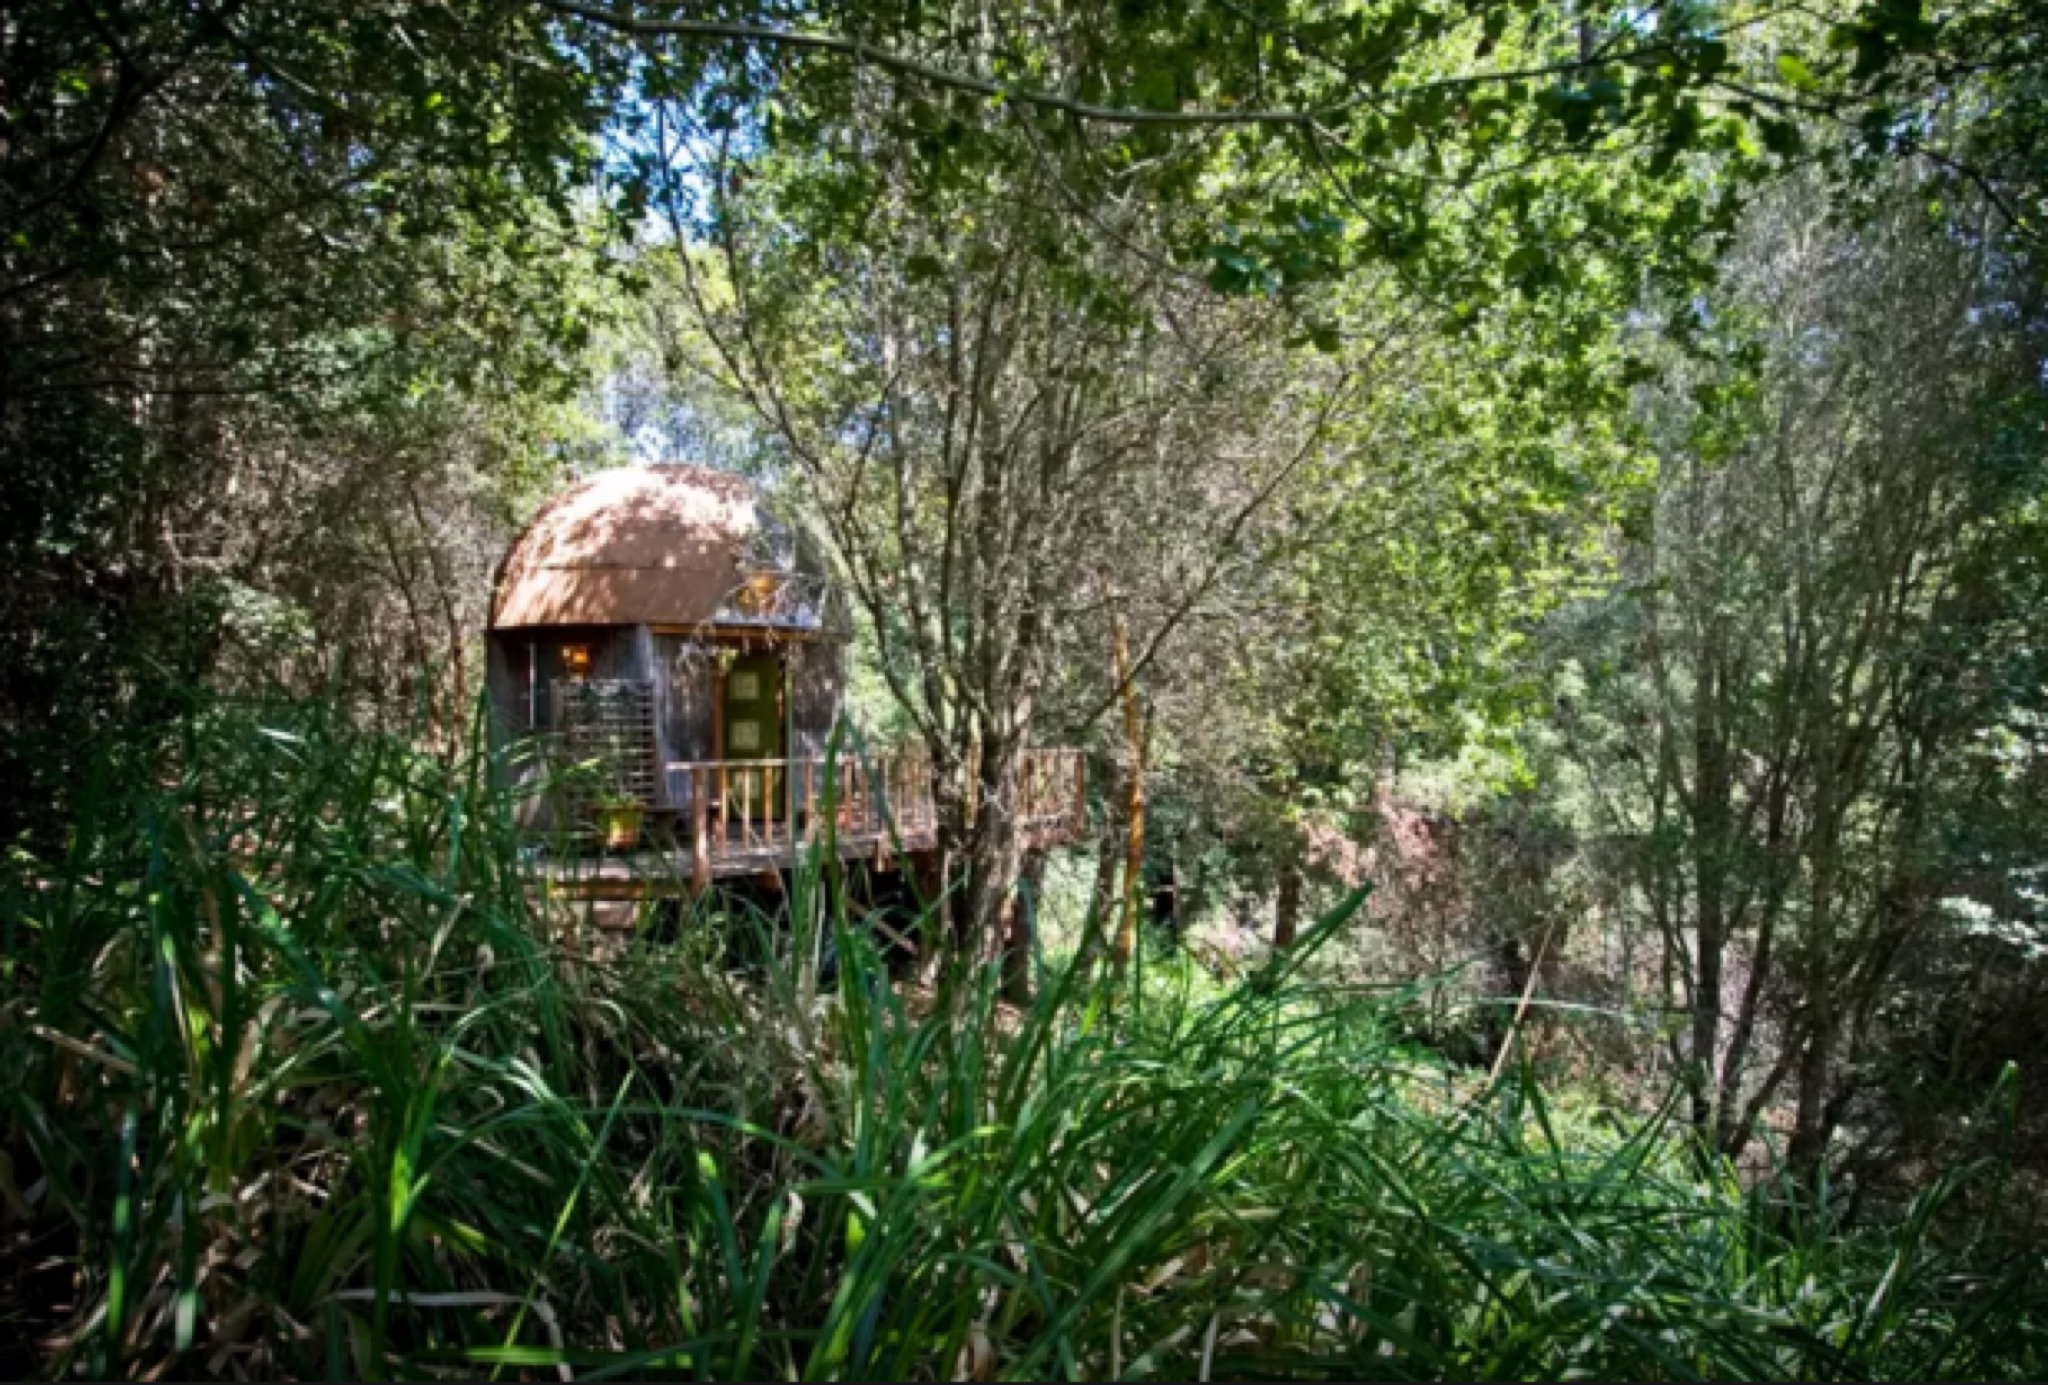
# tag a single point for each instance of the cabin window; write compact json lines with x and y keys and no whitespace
{"x":576,"y":661}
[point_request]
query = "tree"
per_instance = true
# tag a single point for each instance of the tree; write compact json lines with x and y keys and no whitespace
{"x":996,"y":422}
{"x":1787,"y":679}
{"x":232,"y":234}
{"x":896,"y":260}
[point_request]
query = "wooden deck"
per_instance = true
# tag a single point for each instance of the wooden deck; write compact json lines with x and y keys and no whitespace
{"x":744,"y":818}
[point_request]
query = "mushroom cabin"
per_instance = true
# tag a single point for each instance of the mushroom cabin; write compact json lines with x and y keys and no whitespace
{"x":674,"y":655}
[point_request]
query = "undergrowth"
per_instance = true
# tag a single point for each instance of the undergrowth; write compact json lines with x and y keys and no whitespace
{"x":302,"y":1084}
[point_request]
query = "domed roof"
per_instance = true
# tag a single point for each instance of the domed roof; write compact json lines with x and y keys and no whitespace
{"x":659,"y":545}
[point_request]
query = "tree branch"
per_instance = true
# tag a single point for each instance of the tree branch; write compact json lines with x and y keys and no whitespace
{"x":870,"y":55}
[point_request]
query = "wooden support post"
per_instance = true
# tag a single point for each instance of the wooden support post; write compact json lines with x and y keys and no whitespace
{"x":700,"y":837}
{"x":718,"y":707}
{"x":1287,"y":909}
{"x":882,"y":811}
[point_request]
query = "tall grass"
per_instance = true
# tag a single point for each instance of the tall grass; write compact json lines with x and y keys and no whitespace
{"x":304,"y":1084}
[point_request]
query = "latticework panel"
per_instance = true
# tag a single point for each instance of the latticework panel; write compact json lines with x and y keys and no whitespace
{"x":608,"y":725}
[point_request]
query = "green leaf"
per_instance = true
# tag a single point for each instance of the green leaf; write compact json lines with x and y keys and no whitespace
{"x":1781,"y":137}
{"x":1873,"y":51}
{"x":1795,"y":72}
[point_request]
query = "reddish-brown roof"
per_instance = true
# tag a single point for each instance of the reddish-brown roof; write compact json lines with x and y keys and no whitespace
{"x":637,"y":546}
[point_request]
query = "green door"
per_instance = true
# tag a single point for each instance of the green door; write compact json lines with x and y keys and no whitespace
{"x":753,"y":731}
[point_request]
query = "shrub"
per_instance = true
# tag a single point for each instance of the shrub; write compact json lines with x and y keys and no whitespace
{"x":306,"y":1086}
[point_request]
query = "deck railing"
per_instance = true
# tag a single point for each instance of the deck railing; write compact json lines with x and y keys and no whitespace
{"x":741,"y":810}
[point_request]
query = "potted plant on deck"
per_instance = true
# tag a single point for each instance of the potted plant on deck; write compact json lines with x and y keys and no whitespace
{"x":619,"y":818}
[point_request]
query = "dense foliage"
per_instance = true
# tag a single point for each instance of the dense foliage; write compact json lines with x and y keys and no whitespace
{"x":1557,"y":492}
{"x":314,"y":1091}
{"x":263,"y":266}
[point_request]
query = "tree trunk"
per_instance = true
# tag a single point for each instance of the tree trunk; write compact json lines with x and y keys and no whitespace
{"x":952,"y":801}
{"x":1021,"y":929}
{"x":1810,"y":1124}
{"x":1103,"y":893}
{"x":1713,"y":813}
{"x":1287,"y":908}
{"x":1134,"y":802}
{"x":457,"y":645}
{"x":1733,"y":1122}
{"x":992,"y":851}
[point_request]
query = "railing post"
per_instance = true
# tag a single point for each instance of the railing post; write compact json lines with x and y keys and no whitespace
{"x":888,"y":794}
{"x":700,"y":836}
{"x":724,"y":806}
{"x":883,"y":806}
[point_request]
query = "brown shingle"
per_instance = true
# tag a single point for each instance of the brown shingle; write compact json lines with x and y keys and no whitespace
{"x":637,"y":546}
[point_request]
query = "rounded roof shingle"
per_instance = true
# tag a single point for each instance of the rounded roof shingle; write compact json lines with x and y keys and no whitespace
{"x":635,"y":546}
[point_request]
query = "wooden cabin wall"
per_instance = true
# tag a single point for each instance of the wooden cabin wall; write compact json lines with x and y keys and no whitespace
{"x":615,"y":652}
{"x":683,"y":690}
{"x":506,"y":678}
{"x":817,"y":695}
{"x":681,"y":671}
{"x":505,"y":682}
{"x":622,"y":651}
{"x":619,"y":651}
